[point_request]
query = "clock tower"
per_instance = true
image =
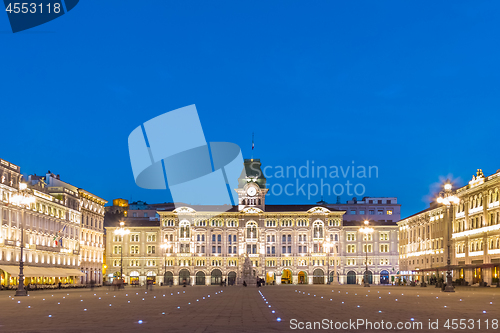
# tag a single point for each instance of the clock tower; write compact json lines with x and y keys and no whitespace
{"x":252,"y":186}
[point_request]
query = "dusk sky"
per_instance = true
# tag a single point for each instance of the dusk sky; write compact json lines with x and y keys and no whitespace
{"x":409,"y":87}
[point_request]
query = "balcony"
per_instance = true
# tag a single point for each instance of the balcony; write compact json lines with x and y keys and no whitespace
{"x":475,"y":210}
{"x":493,"y":204}
{"x":47,"y":248}
{"x":9,"y":242}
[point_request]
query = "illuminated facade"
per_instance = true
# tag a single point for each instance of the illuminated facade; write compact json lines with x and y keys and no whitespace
{"x":91,"y":242}
{"x":472,"y":226}
{"x":476,"y":230}
{"x":53,"y":215}
{"x":423,"y":244}
{"x":287,"y":244}
{"x":92,"y":237}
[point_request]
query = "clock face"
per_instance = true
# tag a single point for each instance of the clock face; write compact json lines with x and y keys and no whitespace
{"x":251,"y":191}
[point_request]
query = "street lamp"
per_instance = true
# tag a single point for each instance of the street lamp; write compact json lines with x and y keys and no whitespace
{"x":24,"y":200}
{"x":165,"y":246}
{"x":448,"y":199}
{"x":366,"y":230}
{"x":326,"y":244}
{"x":122,"y":232}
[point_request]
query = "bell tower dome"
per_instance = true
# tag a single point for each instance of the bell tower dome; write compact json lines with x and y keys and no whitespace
{"x":251,"y":185}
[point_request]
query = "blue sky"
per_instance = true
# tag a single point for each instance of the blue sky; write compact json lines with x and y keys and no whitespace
{"x":410,"y":87}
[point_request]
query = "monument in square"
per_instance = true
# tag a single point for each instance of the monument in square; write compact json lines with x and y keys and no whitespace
{"x":248,"y":273}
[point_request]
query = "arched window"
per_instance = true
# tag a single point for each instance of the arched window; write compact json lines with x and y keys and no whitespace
{"x":318,"y":230}
{"x":184,"y":229}
{"x":251,"y":230}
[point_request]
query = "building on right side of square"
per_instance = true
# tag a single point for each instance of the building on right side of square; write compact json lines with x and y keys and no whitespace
{"x":468,"y":230}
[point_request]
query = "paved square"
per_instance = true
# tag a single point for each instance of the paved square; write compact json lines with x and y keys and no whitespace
{"x":240,"y":309}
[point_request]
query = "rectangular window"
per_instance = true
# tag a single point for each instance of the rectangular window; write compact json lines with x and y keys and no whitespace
{"x":151,"y":249}
{"x":134,"y":249}
{"x":289,"y":249}
{"x":384,"y":236}
{"x":273,"y":250}
{"x":219,"y":249}
{"x":289,"y":238}
{"x":353,"y":212}
{"x":213,"y":249}
{"x":362,"y":212}
{"x":371,"y":212}
{"x":389,"y":212}
{"x":283,"y":250}
{"x":380,"y":212}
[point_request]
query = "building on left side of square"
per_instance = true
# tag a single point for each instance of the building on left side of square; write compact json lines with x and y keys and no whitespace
{"x":50,"y":227}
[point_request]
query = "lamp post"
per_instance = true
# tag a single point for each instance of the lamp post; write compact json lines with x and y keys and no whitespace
{"x":326,"y":244}
{"x":122,"y":232}
{"x":165,"y":246}
{"x":24,"y":200}
{"x":448,"y":199}
{"x":366,"y":230}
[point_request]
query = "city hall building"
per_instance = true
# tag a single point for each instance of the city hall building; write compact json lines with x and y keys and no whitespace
{"x":287,"y":244}
{"x":471,"y":228}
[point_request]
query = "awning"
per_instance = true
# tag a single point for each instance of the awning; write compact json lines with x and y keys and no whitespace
{"x":32,"y":271}
{"x":12,"y":270}
{"x":73,"y":272}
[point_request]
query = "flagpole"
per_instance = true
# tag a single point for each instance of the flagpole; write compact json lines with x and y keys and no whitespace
{"x":253,"y":144}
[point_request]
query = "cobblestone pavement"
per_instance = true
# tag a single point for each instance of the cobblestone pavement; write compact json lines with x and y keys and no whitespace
{"x":239,"y":309}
